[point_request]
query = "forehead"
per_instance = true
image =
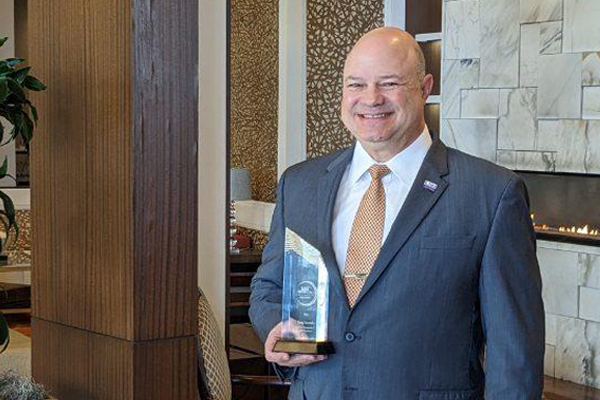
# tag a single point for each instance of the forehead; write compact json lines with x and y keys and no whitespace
{"x":376,"y":62}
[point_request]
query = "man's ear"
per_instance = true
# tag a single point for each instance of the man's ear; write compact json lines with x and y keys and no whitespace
{"x":427,"y":86}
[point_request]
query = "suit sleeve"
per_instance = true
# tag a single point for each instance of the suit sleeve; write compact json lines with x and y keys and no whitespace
{"x":511,"y":301}
{"x":267,"y":284}
{"x":265,"y":299}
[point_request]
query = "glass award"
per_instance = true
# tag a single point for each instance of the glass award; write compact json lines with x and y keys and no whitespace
{"x":305,"y":303}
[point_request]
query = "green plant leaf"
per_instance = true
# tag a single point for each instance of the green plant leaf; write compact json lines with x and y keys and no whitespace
{"x":34,"y":113}
{"x":7,"y":218}
{"x":34,"y":84}
{"x":16,"y":108}
{"x":27,"y":128}
{"x":3,"y":90}
{"x":9,"y":223}
{"x":5,"y":226}
{"x":4,"y":334}
{"x":16,"y":90}
{"x":4,"y":68}
{"x":13,"y":134}
{"x":9,"y":210}
{"x":2,"y":41}
{"x":16,"y":118}
{"x":13,"y":62}
{"x":20,"y":74}
{"x":4,"y":168}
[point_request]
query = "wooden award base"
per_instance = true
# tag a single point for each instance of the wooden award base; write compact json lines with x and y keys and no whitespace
{"x":297,"y":347}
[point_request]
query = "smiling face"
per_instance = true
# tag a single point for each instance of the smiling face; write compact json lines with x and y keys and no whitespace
{"x":384,"y":92}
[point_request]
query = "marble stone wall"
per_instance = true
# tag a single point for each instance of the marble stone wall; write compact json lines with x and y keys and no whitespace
{"x":521,"y":88}
{"x":521,"y":82}
{"x":571,"y":278}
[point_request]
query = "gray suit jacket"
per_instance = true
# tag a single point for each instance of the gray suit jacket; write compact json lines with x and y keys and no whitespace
{"x":456,"y":275}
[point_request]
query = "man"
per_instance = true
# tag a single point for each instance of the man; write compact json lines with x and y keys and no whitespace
{"x":444,"y":239}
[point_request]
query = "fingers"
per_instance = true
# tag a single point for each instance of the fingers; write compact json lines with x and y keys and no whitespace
{"x":278,"y":358}
{"x":273,"y":337}
{"x":285,"y":359}
{"x":296,"y":360}
{"x":300,"y":360}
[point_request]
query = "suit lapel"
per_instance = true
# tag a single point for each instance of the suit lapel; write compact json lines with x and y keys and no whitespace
{"x":421,"y":198}
{"x":327,"y":190}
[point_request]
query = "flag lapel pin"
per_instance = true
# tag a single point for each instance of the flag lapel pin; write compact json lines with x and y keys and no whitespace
{"x":431,"y":186}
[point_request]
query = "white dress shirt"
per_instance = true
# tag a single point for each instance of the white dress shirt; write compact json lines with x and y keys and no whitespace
{"x":356,"y":180}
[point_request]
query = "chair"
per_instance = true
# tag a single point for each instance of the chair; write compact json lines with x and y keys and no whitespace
{"x":214,"y":377}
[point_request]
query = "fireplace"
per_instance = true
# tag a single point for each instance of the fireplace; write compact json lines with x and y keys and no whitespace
{"x":565,"y":207}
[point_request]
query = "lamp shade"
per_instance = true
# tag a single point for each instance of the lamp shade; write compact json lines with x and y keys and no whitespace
{"x":240,"y":184}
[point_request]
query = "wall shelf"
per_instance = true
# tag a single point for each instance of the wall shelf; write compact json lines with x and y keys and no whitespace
{"x":434,"y":99}
{"x":428,"y":37}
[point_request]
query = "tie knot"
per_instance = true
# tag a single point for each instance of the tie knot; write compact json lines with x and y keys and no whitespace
{"x":378,"y":171}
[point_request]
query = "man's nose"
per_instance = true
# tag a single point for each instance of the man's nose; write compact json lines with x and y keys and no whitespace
{"x":373,"y":97}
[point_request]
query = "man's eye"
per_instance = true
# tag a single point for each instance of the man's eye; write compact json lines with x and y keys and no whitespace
{"x":354,"y":85}
{"x":389,"y":84}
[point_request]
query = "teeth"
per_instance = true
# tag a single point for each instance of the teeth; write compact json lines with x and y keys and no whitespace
{"x":373,"y":116}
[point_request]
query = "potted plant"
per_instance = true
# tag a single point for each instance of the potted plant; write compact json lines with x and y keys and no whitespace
{"x":17,"y":110}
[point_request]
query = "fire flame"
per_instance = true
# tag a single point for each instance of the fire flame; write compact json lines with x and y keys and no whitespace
{"x":585,"y":230}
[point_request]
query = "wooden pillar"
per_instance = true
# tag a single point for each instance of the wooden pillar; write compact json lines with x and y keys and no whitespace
{"x":114,"y":198}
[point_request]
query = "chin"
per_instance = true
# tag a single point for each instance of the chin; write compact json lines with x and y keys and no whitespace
{"x":373,"y":137}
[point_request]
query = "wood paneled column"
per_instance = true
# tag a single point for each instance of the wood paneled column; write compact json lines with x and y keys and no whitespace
{"x":114,"y":198}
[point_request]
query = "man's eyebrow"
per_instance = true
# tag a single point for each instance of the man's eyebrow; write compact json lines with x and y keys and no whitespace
{"x":352,"y":78}
{"x":357,"y":78}
{"x":390,"y":77}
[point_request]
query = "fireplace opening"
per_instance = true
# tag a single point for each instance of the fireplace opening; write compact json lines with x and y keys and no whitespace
{"x":565,"y":206}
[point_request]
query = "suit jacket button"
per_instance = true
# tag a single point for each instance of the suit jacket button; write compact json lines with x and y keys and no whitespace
{"x":350,"y":337}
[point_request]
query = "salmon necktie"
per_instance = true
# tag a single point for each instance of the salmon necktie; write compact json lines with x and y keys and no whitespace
{"x":366,"y":234}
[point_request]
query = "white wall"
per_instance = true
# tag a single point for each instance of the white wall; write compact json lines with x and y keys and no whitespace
{"x":291,"y":138}
{"x":7,"y":28}
{"x":20,"y":197}
{"x":395,"y":13}
{"x":212,"y":166}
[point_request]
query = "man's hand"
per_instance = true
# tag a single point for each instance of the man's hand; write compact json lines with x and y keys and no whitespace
{"x":286,"y":359}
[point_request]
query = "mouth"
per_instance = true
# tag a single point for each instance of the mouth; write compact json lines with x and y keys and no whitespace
{"x":378,"y":116}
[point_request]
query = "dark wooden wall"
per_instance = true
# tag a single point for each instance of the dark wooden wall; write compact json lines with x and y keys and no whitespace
{"x":433,"y":60}
{"x":423,"y":16}
{"x":21,"y":30}
{"x":114,"y":197}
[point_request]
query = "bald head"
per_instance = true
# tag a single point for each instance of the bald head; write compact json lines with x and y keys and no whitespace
{"x":396,"y":42}
{"x":384,"y":93}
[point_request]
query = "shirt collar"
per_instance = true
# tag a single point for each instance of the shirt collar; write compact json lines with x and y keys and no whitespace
{"x":404,"y":165}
